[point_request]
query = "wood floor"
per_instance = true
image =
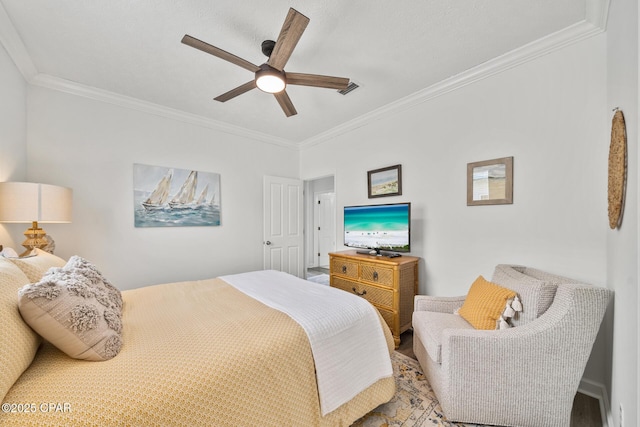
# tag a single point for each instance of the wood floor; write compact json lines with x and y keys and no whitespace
{"x":586,"y":409}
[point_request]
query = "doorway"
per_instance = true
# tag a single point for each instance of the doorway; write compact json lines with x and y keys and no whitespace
{"x":283,"y":229}
{"x":324,"y":227}
{"x":320,"y":224}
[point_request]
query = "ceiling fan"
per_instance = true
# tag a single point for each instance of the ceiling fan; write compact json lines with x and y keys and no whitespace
{"x":270,"y":77}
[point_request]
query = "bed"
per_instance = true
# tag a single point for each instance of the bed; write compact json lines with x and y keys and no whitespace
{"x":193,"y":353}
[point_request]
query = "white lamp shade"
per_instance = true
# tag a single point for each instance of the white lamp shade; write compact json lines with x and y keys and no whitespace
{"x":24,"y":202}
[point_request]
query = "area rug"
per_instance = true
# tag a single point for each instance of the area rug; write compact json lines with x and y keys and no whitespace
{"x":413,"y":405}
{"x":323,"y":279}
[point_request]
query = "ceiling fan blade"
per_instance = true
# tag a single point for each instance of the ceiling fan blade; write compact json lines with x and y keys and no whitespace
{"x":236,"y":92}
{"x":292,"y":29}
{"x":286,"y":104}
{"x":317,"y":80}
{"x":222,"y":54}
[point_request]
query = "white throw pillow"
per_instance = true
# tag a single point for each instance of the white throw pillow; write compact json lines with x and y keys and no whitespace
{"x":76,"y":309}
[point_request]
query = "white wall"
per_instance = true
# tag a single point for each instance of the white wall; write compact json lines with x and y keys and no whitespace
{"x":549,"y":115}
{"x":13,"y":128}
{"x":91,"y":147}
{"x":622,"y":244}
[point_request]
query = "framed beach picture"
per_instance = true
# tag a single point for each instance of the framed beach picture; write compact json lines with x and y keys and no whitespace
{"x":490,"y":182}
{"x":385,"y":181}
{"x":170,"y":197}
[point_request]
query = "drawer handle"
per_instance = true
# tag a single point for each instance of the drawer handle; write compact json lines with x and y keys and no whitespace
{"x":359,"y":294}
{"x":375,"y":275}
{"x":344,"y":269}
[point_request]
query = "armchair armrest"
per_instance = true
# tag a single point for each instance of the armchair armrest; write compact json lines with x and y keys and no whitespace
{"x":438,"y":304}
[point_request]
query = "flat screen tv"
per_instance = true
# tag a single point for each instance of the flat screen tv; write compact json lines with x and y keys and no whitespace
{"x":378,"y":227}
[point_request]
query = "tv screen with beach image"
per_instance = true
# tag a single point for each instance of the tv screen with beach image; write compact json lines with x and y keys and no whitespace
{"x":382,"y":227}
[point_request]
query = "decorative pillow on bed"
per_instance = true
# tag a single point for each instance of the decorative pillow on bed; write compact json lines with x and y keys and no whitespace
{"x":485,"y":303}
{"x":36,"y":266}
{"x":18,"y":342}
{"x":75,"y":309}
{"x":80,"y":265}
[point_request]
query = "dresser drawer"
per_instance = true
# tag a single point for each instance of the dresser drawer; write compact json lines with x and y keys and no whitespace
{"x":344,"y":267}
{"x":388,"y":283}
{"x":377,"y":274}
{"x":379,"y":296}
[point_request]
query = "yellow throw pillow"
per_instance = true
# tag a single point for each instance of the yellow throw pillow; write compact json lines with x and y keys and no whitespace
{"x":485,"y":303}
{"x":18,"y":342}
{"x":36,"y":266}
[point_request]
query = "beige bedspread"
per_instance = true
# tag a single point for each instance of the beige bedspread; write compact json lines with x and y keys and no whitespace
{"x":195,"y":353}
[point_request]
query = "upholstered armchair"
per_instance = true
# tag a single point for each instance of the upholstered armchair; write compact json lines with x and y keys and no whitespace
{"x":526,"y":375}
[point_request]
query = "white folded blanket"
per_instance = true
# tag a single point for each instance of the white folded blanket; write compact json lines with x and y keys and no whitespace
{"x":347,"y":341}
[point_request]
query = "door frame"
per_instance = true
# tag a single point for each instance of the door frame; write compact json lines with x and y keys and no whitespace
{"x":316,"y":234}
{"x":309,"y":245}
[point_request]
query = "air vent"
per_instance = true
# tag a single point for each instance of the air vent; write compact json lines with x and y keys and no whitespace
{"x":352,"y":86}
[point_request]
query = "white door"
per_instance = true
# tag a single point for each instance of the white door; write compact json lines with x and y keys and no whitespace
{"x":325,"y":226}
{"x":283,"y":240}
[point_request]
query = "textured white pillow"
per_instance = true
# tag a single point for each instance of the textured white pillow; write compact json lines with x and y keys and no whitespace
{"x":76,"y":309}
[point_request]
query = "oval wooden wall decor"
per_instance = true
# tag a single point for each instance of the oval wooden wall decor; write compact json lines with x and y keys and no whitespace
{"x":617,"y":169}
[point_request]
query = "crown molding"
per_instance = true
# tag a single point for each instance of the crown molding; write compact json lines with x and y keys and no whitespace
{"x":12,"y":42}
{"x":62,"y":85}
{"x":529,"y":52}
{"x":17,"y":51}
{"x":596,"y":12}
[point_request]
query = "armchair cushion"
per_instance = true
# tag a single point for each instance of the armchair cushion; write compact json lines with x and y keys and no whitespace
{"x":431,"y":325}
{"x":535,"y":289}
{"x":485,"y":303}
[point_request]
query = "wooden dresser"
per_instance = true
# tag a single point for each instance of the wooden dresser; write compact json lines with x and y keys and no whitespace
{"x":388,"y":283}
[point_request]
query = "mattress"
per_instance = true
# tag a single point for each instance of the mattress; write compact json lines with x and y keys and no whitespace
{"x":194,"y":353}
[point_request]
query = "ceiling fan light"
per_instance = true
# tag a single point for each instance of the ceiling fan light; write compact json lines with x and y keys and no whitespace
{"x":270,"y":80}
{"x":270,"y":84}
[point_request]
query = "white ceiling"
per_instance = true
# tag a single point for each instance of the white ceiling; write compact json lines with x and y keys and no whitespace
{"x":130,"y":51}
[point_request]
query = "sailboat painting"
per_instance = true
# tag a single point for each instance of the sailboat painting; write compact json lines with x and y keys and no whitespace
{"x":170,"y":197}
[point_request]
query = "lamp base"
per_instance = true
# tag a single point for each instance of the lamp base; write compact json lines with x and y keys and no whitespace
{"x":36,"y":238}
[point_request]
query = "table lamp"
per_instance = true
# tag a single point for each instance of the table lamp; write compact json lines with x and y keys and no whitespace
{"x":29,"y":202}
